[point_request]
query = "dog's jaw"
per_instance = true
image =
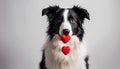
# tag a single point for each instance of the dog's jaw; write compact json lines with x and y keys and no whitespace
{"x":55,"y":59}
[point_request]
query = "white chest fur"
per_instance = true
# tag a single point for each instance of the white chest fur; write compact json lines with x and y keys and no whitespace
{"x":55,"y":59}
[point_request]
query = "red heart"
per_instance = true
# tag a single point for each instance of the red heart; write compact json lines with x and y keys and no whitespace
{"x":65,"y":50}
{"x":65,"y":38}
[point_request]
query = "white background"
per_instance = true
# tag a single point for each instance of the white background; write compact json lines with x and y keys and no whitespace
{"x":23,"y":32}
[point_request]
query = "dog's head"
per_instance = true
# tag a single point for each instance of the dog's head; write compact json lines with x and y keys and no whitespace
{"x":66,"y":21}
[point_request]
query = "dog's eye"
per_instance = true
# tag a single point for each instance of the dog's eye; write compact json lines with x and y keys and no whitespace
{"x":72,"y":21}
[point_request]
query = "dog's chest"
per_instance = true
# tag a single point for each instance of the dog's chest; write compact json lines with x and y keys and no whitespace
{"x":55,"y":59}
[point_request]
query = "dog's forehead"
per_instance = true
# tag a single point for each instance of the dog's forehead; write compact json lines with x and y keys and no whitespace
{"x":66,"y":11}
{"x":64,"y":14}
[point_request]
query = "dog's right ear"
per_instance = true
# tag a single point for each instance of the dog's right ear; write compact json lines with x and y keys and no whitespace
{"x":50,"y":11}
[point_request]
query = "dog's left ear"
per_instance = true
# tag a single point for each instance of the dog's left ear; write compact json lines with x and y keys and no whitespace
{"x":82,"y":13}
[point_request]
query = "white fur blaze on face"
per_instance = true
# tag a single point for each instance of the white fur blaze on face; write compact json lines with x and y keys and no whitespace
{"x":66,"y":24}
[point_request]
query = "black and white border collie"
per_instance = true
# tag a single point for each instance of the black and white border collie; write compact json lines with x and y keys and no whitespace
{"x":66,"y":21}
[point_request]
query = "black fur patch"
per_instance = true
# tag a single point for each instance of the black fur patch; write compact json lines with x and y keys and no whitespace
{"x":76,"y":24}
{"x":42,"y":63}
{"x":86,"y":61}
{"x":55,"y":19}
{"x":82,"y":13}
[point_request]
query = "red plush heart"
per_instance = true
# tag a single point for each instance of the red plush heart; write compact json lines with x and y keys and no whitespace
{"x":65,"y":50}
{"x":65,"y":38}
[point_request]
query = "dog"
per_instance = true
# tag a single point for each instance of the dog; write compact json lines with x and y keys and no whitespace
{"x":67,"y":21}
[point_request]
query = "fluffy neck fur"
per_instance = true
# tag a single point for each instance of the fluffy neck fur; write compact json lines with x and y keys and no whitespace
{"x":55,"y":59}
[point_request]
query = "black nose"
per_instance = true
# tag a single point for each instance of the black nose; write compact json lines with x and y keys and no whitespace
{"x":66,"y":31}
